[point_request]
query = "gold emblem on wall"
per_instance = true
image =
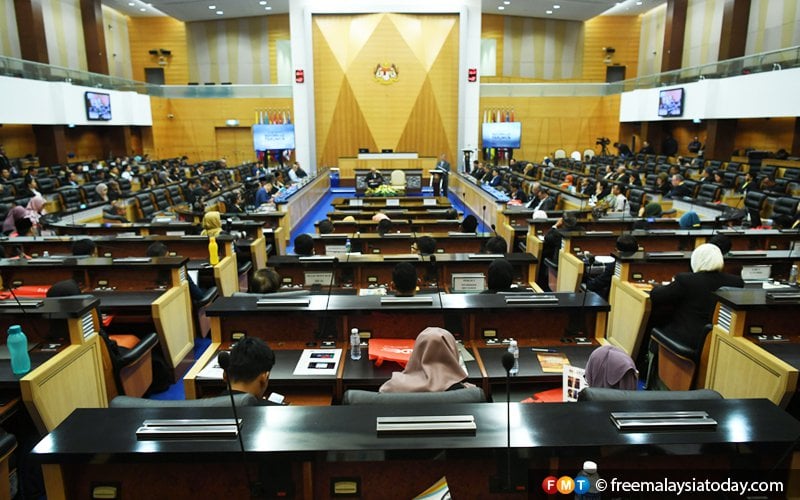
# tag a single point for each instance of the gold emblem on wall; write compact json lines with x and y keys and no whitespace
{"x":386,"y":73}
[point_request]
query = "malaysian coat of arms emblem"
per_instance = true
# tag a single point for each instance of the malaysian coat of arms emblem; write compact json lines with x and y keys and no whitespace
{"x":386,"y":73}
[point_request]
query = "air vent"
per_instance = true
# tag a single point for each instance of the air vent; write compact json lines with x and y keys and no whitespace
{"x":618,"y":269}
{"x":182,"y":275}
{"x":87,"y":325}
{"x":725,"y":316}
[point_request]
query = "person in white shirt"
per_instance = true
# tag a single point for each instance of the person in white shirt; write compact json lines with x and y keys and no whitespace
{"x":620,"y":202}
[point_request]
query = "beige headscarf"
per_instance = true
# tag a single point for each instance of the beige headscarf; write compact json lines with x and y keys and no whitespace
{"x":432,"y":367}
{"x":707,"y":257}
{"x":212,"y":224}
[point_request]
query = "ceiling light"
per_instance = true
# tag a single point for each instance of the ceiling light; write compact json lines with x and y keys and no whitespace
{"x":638,"y":3}
{"x":267,"y":8}
{"x":262,"y":2}
{"x":507,"y":2}
{"x":501,"y":8}
{"x":219,"y":12}
{"x":131,"y":4}
{"x":212,"y":7}
{"x":143,"y":9}
{"x":556,"y":6}
{"x":548,"y":12}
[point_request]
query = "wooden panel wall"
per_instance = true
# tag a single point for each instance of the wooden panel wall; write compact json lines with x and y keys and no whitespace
{"x":18,"y":140}
{"x":569,"y":123}
{"x":418,"y":112}
{"x":278,"y":30}
{"x":770,"y":134}
{"x":620,"y":32}
{"x":148,"y":33}
{"x":192,"y":129}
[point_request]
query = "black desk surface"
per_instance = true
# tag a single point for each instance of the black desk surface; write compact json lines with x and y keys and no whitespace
{"x":226,"y":306}
{"x":756,"y":298}
{"x":9,"y":381}
{"x":307,"y":431}
{"x":529,"y":362}
{"x":94,"y":263}
{"x":789,"y":352}
{"x":734,"y":256}
{"x":364,"y":371}
{"x":53,"y":308}
{"x":112,"y":300}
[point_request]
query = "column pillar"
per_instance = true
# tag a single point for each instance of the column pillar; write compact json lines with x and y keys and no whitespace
{"x":94,"y":36}
{"x":674,"y":30}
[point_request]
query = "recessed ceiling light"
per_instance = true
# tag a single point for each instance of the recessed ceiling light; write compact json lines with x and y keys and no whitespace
{"x":507,"y":2}
{"x":638,"y":3}
{"x":267,"y":8}
{"x":212,"y":7}
{"x":501,"y":8}
{"x":556,"y":6}
{"x":548,"y":12}
{"x":262,"y":2}
{"x":131,"y":4}
{"x":219,"y":12}
{"x":143,"y":9}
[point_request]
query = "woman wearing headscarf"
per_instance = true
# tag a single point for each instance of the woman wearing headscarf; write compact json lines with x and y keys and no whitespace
{"x":432,"y":367}
{"x":611,"y":367}
{"x":651,"y":209}
{"x":102,"y":192}
{"x":212,"y":224}
{"x":692,"y":296}
{"x":10,"y":223}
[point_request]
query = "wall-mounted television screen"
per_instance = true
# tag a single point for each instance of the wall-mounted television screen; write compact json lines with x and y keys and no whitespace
{"x":670,"y":102}
{"x":98,"y":106}
{"x":273,"y":137}
{"x":502,"y":135}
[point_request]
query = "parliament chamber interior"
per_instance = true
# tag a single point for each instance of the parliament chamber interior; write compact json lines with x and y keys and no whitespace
{"x":399,"y":249}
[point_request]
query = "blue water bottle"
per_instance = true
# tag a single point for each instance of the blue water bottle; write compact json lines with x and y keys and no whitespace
{"x":18,"y":349}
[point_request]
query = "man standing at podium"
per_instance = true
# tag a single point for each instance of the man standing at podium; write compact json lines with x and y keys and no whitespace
{"x":444,"y":166}
{"x":373,"y":178}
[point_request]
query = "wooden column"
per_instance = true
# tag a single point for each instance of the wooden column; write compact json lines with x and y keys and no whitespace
{"x":796,"y":139}
{"x":674,"y":30}
{"x":30,"y":29}
{"x":51,"y":144}
{"x":719,"y":141}
{"x":733,"y":37}
{"x":94,"y":36}
{"x":117,"y":141}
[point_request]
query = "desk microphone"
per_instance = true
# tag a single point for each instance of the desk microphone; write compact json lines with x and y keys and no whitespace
{"x":508,"y":364}
{"x":323,"y":327}
{"x":484,"y":217}
{"x":224,"y":360}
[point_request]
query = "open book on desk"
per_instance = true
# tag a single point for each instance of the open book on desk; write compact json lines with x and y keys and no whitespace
{"x":212,"y":371}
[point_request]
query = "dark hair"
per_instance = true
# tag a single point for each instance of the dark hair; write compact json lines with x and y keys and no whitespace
{"x":304,"y":245}
{"x":627,"y":244}
{"x":722,"y":242}
{"x":250,"y":357}
{"x":84,"y":246}
{"x":266,"y":280}
{"x":64,"y":288}
{"x":469,"y":224}
{"x":384,"y":226}
{"x":570,"y":221}
{"x":426,"y":245}
{"x":325,"y":226}
{"x":23,"y":226}
{"x":451,"y":214}
{"x":157,"y":249}
{"x":404,"y":277}
{"x":501,"y":275}
{"x":496,"y":244}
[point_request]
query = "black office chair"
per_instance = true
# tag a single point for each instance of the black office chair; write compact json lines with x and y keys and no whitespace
{"x":680,"y":365}
{"x":606,"y":394}
{"x":754,"y":203}
{"x":785,"y":206}
{"x":466,"y":395}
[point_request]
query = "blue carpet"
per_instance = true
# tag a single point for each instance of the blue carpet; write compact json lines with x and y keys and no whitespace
{"x":175,"y":391}
{"x":318,"y":213}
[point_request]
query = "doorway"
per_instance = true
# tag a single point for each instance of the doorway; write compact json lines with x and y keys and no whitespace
{"x":615,"y":74}
{"x":154,"y":76}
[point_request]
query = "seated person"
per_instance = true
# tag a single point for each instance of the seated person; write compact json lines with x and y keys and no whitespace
{"x":158,"y":249}
{"x":212,"y":224}
{"x":325,"y":226}
{"x":425,"y":245}
{"x":722,"y":242}
{"x":500,"y":276}
{"x":384,"y":226}
{"x":84,"y":247}
{"x":611,"y":367}
{"x":601,"y":285}
{"x":689,"y":220}
{"x":434,"y":365}
{"x":265,"y":280}
{"x":651,"y":210}
{"x":251,"y":360}
{"x":496,"y":245}
{"x":469,"y":224}
{"x":115,"y":212}
{"x":23,"y":227}
{"x":373,"y":178}
{"x":404,"y":279}
{"x":496,"y":179}
{"x":304,"y":245}
{"x":692,"y":296}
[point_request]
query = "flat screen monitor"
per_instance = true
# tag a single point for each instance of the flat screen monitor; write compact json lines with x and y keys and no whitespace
{"x":363,"y":150}
{"x":670,"y":102}
{"x":98,"y":106}
{"x":387,"y":150}
{"x":502,"y":135}
{"x":273,"y":137}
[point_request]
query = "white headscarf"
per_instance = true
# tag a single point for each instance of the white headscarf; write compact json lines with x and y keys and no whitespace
{"x":707,"y":257}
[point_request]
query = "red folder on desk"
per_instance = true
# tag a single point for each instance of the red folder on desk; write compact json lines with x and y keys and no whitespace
{"x":397,"y":350}
{"x":27,"y":291}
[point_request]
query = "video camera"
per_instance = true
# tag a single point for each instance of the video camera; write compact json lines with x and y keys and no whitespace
{"x":603,"y":141}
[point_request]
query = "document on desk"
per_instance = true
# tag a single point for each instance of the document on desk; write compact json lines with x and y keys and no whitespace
{"x":318,"y":362}
{"x":212,"y":371}
{"x":553,"y":362}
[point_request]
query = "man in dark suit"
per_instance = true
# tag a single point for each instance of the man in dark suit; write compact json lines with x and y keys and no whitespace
{"x":546,"y":202}
{"x":679,"y":188}
{"x":373,"y":178}
{"x":444,"y":166}
{"x":692,"y":297}
{"x":695,"y":146}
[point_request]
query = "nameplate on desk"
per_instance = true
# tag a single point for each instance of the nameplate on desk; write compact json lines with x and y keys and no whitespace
{"x":355,"y":203}
{"x":429,"y":202}
{"x":518,"y":298}
{"x":392,"y":202}
{"x":188,"y":429}
{"x":396,"y":301}
{"x":128,"y":234}
{"x":283,"y":302}
{"x":122,"y":260}
{"x":401,"y":256}
{"x":45,"y":260}
{"x":650,"y":420}
{"x":333,"y":235}
{"x":599,"y":233}
{"x":457,"y":233}
{"x":485,"y":256}
{"x":433,"y":424}
{"x":317,"y":258}
{"x":783,"y":296}
{"x":195,"y":237}
{"x":23,"y":303}
{"x":661,"y":231}
{"x":664,"y":255}
{"x":397,"y":235}
{"x":747,"y":253}
{"x":176,"y":233}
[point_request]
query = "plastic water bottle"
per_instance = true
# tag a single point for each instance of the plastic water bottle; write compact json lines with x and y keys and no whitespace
{"x":18,"y":349}
{"x":348,"y":246}
{"x":213,"y":251}
{"x":793,"y":275}
{"x":513,"y":348}
{"x":355,"y":345}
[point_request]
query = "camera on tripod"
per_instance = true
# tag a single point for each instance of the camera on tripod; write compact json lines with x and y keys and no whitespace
{"x":603,"y":141}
